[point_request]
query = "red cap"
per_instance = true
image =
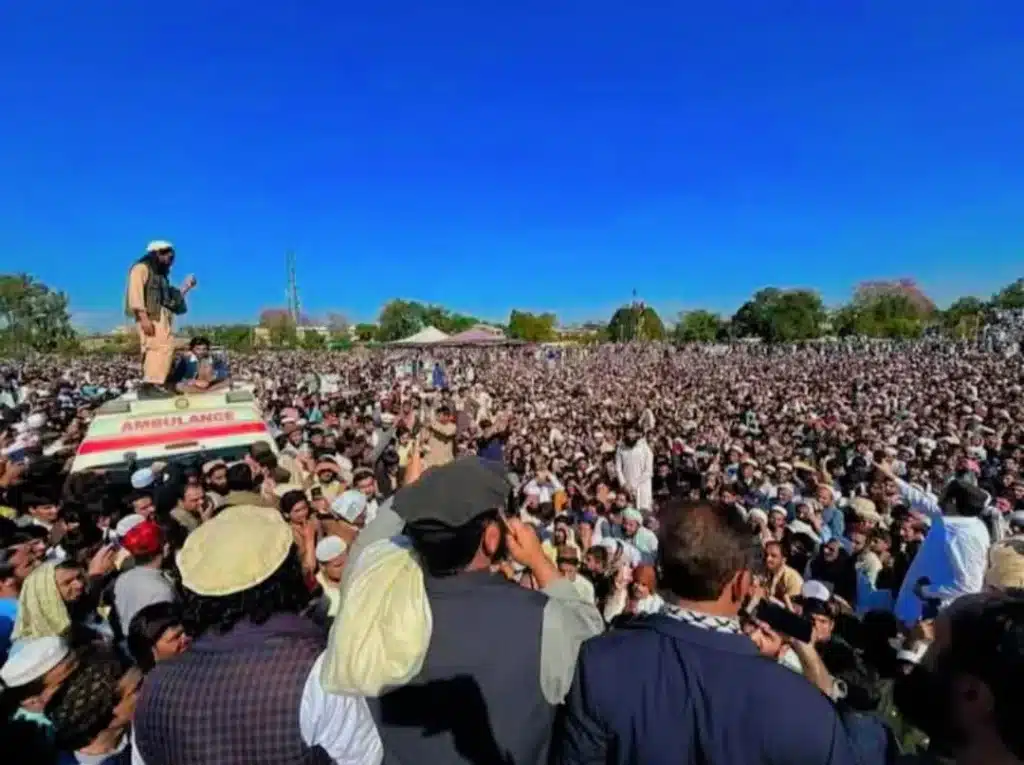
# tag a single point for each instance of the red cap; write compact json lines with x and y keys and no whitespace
{"x":145,"y":538}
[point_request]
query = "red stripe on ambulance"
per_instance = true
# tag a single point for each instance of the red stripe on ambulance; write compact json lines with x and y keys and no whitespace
{"x":127,"y":443}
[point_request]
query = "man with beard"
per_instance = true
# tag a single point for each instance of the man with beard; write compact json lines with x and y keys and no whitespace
{"x":836,"y":567}
{"x":328,"y":479}
{"x":152,"y":302}
{"x":634,"y":467}
{"x":965,"y":694}
{"x":215,"y":478}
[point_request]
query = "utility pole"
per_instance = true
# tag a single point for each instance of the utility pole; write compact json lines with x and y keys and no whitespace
{"x":292,"y":291}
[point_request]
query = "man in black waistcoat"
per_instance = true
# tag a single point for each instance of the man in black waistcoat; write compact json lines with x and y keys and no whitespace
{"x":500,"y":657}
{"x":152,"y":302}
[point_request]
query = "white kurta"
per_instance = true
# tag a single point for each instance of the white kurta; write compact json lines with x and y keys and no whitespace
{"x":634,"y":467}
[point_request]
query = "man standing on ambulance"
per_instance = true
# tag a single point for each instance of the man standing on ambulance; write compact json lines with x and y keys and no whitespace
{"x":153,"y":302}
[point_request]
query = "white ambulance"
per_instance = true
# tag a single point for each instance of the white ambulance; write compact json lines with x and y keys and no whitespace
{"x":203,"y":426}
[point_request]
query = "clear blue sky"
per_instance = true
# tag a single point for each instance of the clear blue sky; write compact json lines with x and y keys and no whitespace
{"x":489,"y":155}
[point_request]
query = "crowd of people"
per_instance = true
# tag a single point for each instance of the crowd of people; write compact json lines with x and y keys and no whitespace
{"x":625,"y":553}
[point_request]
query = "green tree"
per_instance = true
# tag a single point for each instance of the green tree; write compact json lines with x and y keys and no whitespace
{"x":398,"y":319}
{"x":964,"y":318}
{"x":312,"y":341}
{"x":1010,"y":296}
{"x":844,"y":320}
{"x":33,"y":317}
{"x":126,"y":343}
{"x":635,"y":322}
{"x":697,"y":327}
{"x":366,"y":333}
{"x":889,"y":309}
{"x":534,"y":328}
{"x":280,"y":326}
{"x":781,"y":316}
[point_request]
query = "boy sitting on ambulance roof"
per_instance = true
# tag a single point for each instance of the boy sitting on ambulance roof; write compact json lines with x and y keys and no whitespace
{"x":197,"y":371}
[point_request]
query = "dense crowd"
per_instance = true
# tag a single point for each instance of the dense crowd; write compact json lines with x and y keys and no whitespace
{"x":628,"y":553}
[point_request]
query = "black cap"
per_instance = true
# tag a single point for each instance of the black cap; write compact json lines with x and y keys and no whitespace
{"x":454,"y":494}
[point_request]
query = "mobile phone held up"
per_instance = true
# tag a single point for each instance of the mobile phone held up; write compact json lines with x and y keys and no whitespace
{"x":784,"y":621}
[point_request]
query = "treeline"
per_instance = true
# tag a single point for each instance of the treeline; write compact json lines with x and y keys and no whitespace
{"x":895,"y":309}
{"x":35,"y":318}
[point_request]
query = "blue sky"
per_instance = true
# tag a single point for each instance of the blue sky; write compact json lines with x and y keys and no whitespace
{"x":541,"y":155}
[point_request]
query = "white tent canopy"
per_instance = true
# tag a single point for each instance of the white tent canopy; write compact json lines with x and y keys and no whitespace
{"x":425,"y":336}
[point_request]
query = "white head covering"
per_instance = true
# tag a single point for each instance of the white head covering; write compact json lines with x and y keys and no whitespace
{"x":32,"y":659}
{"x":329,"y":548}
{"x":349,"y":505}
{"x":814,"y":589}
{"x":382,"y":632}
{"x":158,"y":244}
{"x":804,"y":529}
{"x":128,"y":523}
{"x":142,"y":479}
{"x":757,"y":513}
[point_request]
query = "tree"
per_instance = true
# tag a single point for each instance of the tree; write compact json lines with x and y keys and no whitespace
{"x":534,"y":328}
{"x":366,"y":333}
{"x":888,"y":309}
{"x":635,"y":322}
{"x":921,"y":305}
{"x":963,"y":319}
{"x":33,"y":317}
{"x":280,"y":326}
{"x":1010,"y":297}
{"x":398,"y":319}
{"x":443,"y":319}
{"x":697,"y":327}
{"x":781,"y":316}
{"x":313,"y":341}
{"x":844,"y":320}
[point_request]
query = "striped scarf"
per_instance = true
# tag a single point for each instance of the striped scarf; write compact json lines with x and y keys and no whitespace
{"x":701,"y":621}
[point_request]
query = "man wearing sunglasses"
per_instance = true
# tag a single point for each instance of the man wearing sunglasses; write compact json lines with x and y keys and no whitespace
{"x":153,"y":302}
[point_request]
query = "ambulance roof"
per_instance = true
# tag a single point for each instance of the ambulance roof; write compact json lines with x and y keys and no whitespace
{"x":131,"y":404}
{"x":129,"y":432}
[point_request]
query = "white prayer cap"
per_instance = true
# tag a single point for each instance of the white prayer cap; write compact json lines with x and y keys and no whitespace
{"x":329,"y":548}
{"x":159,"y":244}
{"x":36,"y":421}
{"x":349,"y":505}
{"x":817,"y":590}
{"x":128,"y":523}
{"x":142,"y":479}
{"x":757,"y":514}
{"x":804,"y":529}
{"x":33,"y":659}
